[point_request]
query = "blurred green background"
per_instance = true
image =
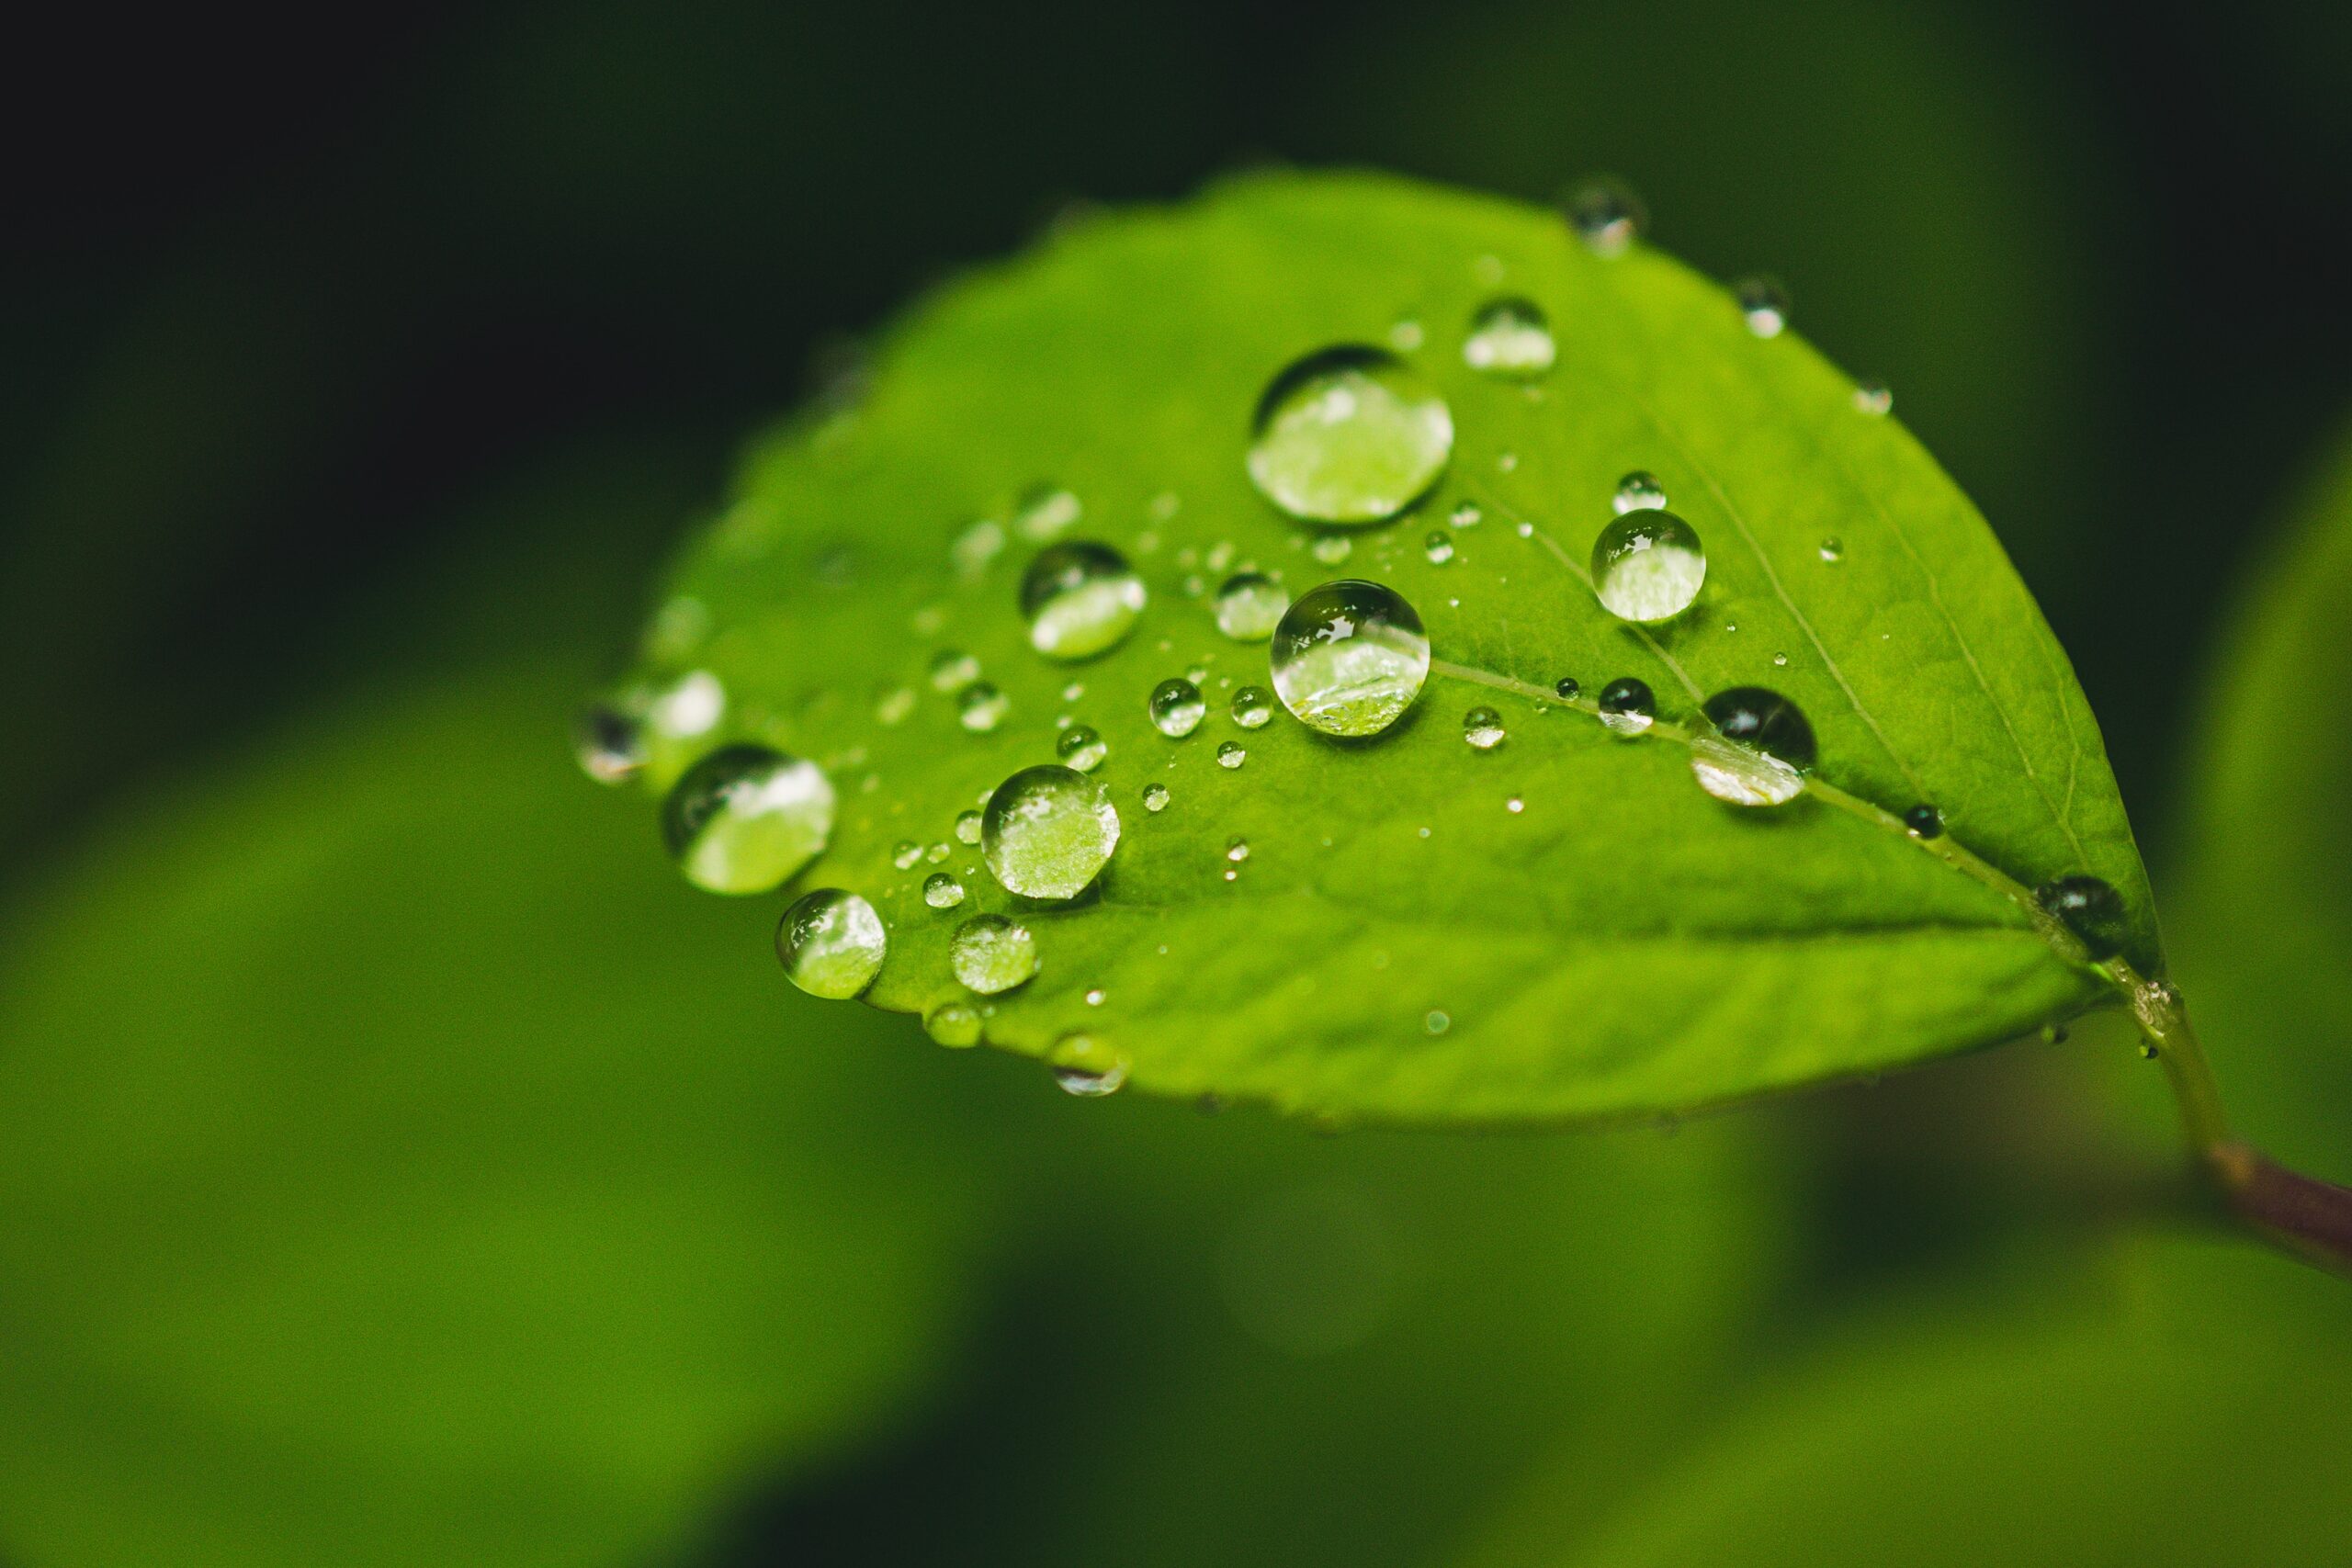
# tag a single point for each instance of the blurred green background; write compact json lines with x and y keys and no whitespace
{"x":398,"y":1164}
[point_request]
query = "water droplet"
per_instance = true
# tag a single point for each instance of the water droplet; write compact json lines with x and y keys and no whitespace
{"x":746,"y":819}
{"x":1924,"y":821}
{"x":1436,"y":1022}
{"x":952,"y":672}
{"x":2090,"y":908}
{"x":691,"y":707}
{"x":893,"y":706}
{"x":991,"y":954}
{"x":1221,"y":555}
{"x":1350,"y":657}
{"x":1405,"y":336}
{"x":1764,"y":303}
{"x":1510,"y":338}
{"x":906,"y":855}
{"x":1439,"y":548}
{"x":1349,"y":435}
{"x":1781,"y":660}
{"x":1607,"y":215}
{"x":1080,"y":599}
{"x":1074,"y":690}
{"x":1874,"y":398}
{"x":1086,"y":1066}
{"x":981,"y":707}
{"x":1048,"y":831}
{"x":1231,"y":754}
{"x":942,"y":891}
{"x":1252,"y":709}
{"x":1154,"y":798}
{"x":1177,"y":708}
{"x":831,"y":943}
{"x":1095,"y":997}
{"x":976,"y":547}
{"x":2053,"y":1034}
{"x":1249,"y":606}
{"x":1467,"y":515}
{"x":1483,"y":727}
{"x":1833,"y":549}
{"x":1044,"y":513}
{"x":1647,"y":565}
{"x":1081,"y":748}
{"x":1763,"y":720}
{"x":968,"y":828}
{"x":1334,"y":548}
{"x":1506,"y":462}
{"x":1236,"y":849}
{"x":609,"y":744}
{"x":1639,"y":492}
{"x":936,"y":853}
{"x":1566,"y":688}
{"x":1627,"y":706}
{"x":953,"y":1025}
{"x":1514,"y":805}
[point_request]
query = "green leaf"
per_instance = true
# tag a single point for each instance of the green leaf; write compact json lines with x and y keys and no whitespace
{"x":2265,"y":915}
{"x":1399,"y":942}
{"x":399,"y":1166}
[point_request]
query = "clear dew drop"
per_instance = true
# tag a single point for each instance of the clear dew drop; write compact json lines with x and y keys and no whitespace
{"x":1048,"y":831}
{"x":1781,"y":660}
{"x":976,"y":547}
{"x":1044,"y":513}
{"x":831,"y":943}
{"x":1924,"y":821}
{"x":746,"y":819}
{"x":2090,"y":908}
{"x":1760,"y":747}
{"x":1236,"y":849}
{"x":1483,"y":728}
{"x":1253,"y":709}
{"x":1231,"y":754}
{"x":1637,"y":492}
{"x":936,"y":853}
{"x":1349,"y":657}
{"x":1439,"y":548}
{"x":1349,"y":435}
{"x":692,"y":706}
{"x":1627,"y":706}
{"x":1510,"y":338}
{"x":1085,"y":1065}
{"x":1833,"y":549}
{"x":906,"y":855}
{"x":1874,"y":398}
{"x":1606,"y":214}
{"x":951,"y":671}
{"x":1514,"y":805}
{"x":1437,"y":1021}
{"x":892,"y":706}
{"x":953,"y":1025}
{"x":968,"y":827}
{"x":1334,"y":548}
{"x":1249,"y":605}
{"x":1177,"y":708}
{"x":1566,"y":688}
{"x":1081,"y":599}
{"x":1764,"y":304}
{"x":608,"y":745}
{"x":1154,"y":798}
{"x":1467,"y":515}
{"x":1649,"y":566}
{"x":981,"y":707}
{"x":991,"y":954}
{"x":942,"y":891}
{"x":1081,"y":748}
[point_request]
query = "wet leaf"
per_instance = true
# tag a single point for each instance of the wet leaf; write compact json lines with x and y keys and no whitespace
{"x":1394,"y":938}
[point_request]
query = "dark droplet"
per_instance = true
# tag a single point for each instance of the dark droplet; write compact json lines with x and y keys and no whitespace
{"x":1924,"y":821}
{"x":1627,"y":706}
{"x":2088,"y":908}
{"x":1566,"y":688}
{"x":1763,"y":720}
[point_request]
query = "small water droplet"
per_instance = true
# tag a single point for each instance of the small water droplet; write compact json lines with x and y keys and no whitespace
{"x":1073,"y":691}
{"x":953,"y":1024}
{"x":1606,"y":214}
{"x":1251,"y":708}
{"x":1524,"y":530}
{"x":1924,"y":821}
{"x":1649,"y":566}
{"x":1566,"y":688}
{"x":1349,"y":435}
{"x":976,"y":547}
{"x":981,"y":707}
{"x":1764,"y":303}
{"x":608,"y":744}
{"x":936,"y":853}
{"x":1781,"y":660}
{"x":893,"y":706}
{"x":2053,"y":1034}
{"x":1249,"y":605}
{"x":968,"y":827}
{"x":1081,"y":748}
{"x":906,"y":855}
{"x":1236,"y":849}
{"x":1081,"y":599}
{"x":1439,"y":548}
{"x":1436,"y":1022}
{"x":2149,"y":1050}
{"x":831,"y":943}
{"x":1231,"y":754}
{"x":1405,"y":336}
{"x":1874,"y":398}
{"x":1097,"y":997}
{"x":1514,"y":805}
{"x":991,"y":954}
{"x":1085,"y":1065}
{"x":1627,"y":706}
{"x":1349,"y":657}
{"x":1638,"y":491}
{"x":1334,"y":548}
{"x":1467,"y":515}
{"x":1833,"y":549}
{"x":746,"y":819}
{"x":1048,"y":831}
{"x":2090,"y":908}
{"x":1220,"y":556}
{"x":942,"y":891}
{"x":952,"y":672}
{"x":1044,"y":513}
{"x":1177,"y":708}
{"x":693,"y":707}
{"x":1506,"y":462}
{"x":1510,"y":338}
{"x":1154,"y":798}
{"x":1483,"y":727}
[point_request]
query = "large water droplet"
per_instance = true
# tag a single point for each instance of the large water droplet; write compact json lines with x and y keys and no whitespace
{"x":1509,"y":337}
{"x":1649,"y":566}
{"x":1637,"y":492}
{"x":1483,"y":727}
{"x":1606,"y":214}
{"x":1763,"y":720}
{"x":1627,"y":706}
{"x":2090,"y":908}
{"x":1177,"y":708}
{"x":1764,"y":303}
{"x":1350,"y":657}
{"x":1349,"y":435}
{"x":831,"y":943}
{"x":1253,"y":709}
{"x":1048,"y":831}
{"x":745,"y":820}
{"x":1742,"y":777}
{"x":1081,"y":748}
{"x":953,"y":1024}
{"x":1081,"y":599}
{"x":1046,"y":514}
{"x":609,"y":744}
{"x":981,"y":707}
{"x":1085,"y":1065}
{"x":991,"y":954}
{"x":1249,"y":606}
{"x":942,"y":891}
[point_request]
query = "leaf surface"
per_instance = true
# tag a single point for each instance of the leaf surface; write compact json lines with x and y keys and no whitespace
{"x":1403,"y":941}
